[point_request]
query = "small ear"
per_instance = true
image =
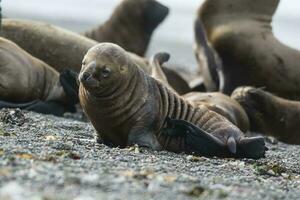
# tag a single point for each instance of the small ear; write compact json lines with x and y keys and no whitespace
{"x":123,"y":67}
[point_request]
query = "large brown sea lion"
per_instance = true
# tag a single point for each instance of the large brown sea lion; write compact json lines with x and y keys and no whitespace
{"x":127,"y":106}
{"x":63,"y":49}
{"x":241,"y":33}
{"x":25,"y":80}
{"x":131,"y":25}
{"x":270,"y":114}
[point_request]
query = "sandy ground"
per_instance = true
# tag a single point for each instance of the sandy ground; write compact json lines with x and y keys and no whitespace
{"x":46,"y":157}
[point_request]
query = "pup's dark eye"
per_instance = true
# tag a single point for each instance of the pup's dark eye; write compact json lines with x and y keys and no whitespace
{"x":105,"y":72}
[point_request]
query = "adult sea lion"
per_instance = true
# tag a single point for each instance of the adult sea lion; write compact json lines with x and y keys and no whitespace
{"x":131,"y":25}
{"x":270,"y":114}
{"x":241,"y":33}
{"x":29,"y":83}
{"x":127,"y":106}
{"x":63,"y":49}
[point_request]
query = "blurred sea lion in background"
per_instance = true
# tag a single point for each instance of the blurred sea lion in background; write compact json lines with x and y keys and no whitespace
{"x":29,"y":83}
{"x":63,"y":49}
{"x":126,"y":106}
{"x":131,"y":25}
{"x":241,"y":33}
{"x":269,"y":114}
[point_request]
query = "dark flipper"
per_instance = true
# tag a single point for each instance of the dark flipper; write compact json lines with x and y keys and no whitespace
{"x":196,"y":140}
{"x":200,"y":142}
{"x":43,"y":107}
{"x":252,"y":147}
{"x":68,"y":80}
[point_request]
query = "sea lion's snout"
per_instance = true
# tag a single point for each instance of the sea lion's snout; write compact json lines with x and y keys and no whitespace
{"x":87,"y":75}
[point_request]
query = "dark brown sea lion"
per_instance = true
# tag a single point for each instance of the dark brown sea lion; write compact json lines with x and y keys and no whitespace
{"x":127,"y":106}
{"x":270,"y":114}
{"x":241,"y":33}
{"x":59,"y":48}
{"x":131,"y":25}
{"x":25,"y":80}
{"x":221,"y":104}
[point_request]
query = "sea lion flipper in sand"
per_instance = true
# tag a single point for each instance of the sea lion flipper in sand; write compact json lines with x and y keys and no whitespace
{"x":241,"y":33}
{"x":44,"y":107}
{"x":121,"y":100}
{"x":131,"y":25}
{"x":200,"y":142}
{"x":270,"y":114}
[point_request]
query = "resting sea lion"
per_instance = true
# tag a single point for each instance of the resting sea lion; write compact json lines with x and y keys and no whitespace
{"x":63,"y":49}
{"x":270,"y":114}
{"x":127,"y":106}
{"x":221,"y":104}
{"x":27,"y":82}
{"x":241,"y":33}
{"x":131,"y":25}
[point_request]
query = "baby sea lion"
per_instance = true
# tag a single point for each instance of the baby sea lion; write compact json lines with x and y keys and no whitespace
{"x":131,"y":25}
{"x":31,"y":84}
{"x":241,"y":33}
{"x":221,"y":104}
{"x":126,"y":106}
{"x":269,"y":114}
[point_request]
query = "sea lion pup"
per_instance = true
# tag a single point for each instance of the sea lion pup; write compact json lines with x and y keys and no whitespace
{"x":127,"y":106}
{"x":221,"y":104}
{"x":241,"y":33}
{"x":270,"y":114}
{"x":131,"y":25}
{"x":29,"y":83}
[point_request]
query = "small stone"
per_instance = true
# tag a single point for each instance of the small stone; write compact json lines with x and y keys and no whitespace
{"x":193,"y":158}
{"x":50,"y":137}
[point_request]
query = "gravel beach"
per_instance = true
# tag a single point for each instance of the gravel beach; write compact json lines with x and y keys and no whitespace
{"x":46,"y":157}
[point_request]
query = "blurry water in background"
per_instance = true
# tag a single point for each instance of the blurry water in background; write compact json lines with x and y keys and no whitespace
{"x":175,"y":35}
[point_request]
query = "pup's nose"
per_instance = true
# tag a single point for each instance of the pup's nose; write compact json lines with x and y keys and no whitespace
{"x":85,"y":76}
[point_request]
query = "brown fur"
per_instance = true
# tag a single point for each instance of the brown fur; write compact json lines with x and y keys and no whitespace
{"x":223,"y":105}
{"x":25,"y":78}
{"x":270,"y":114}
{"x":131,"y":25}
